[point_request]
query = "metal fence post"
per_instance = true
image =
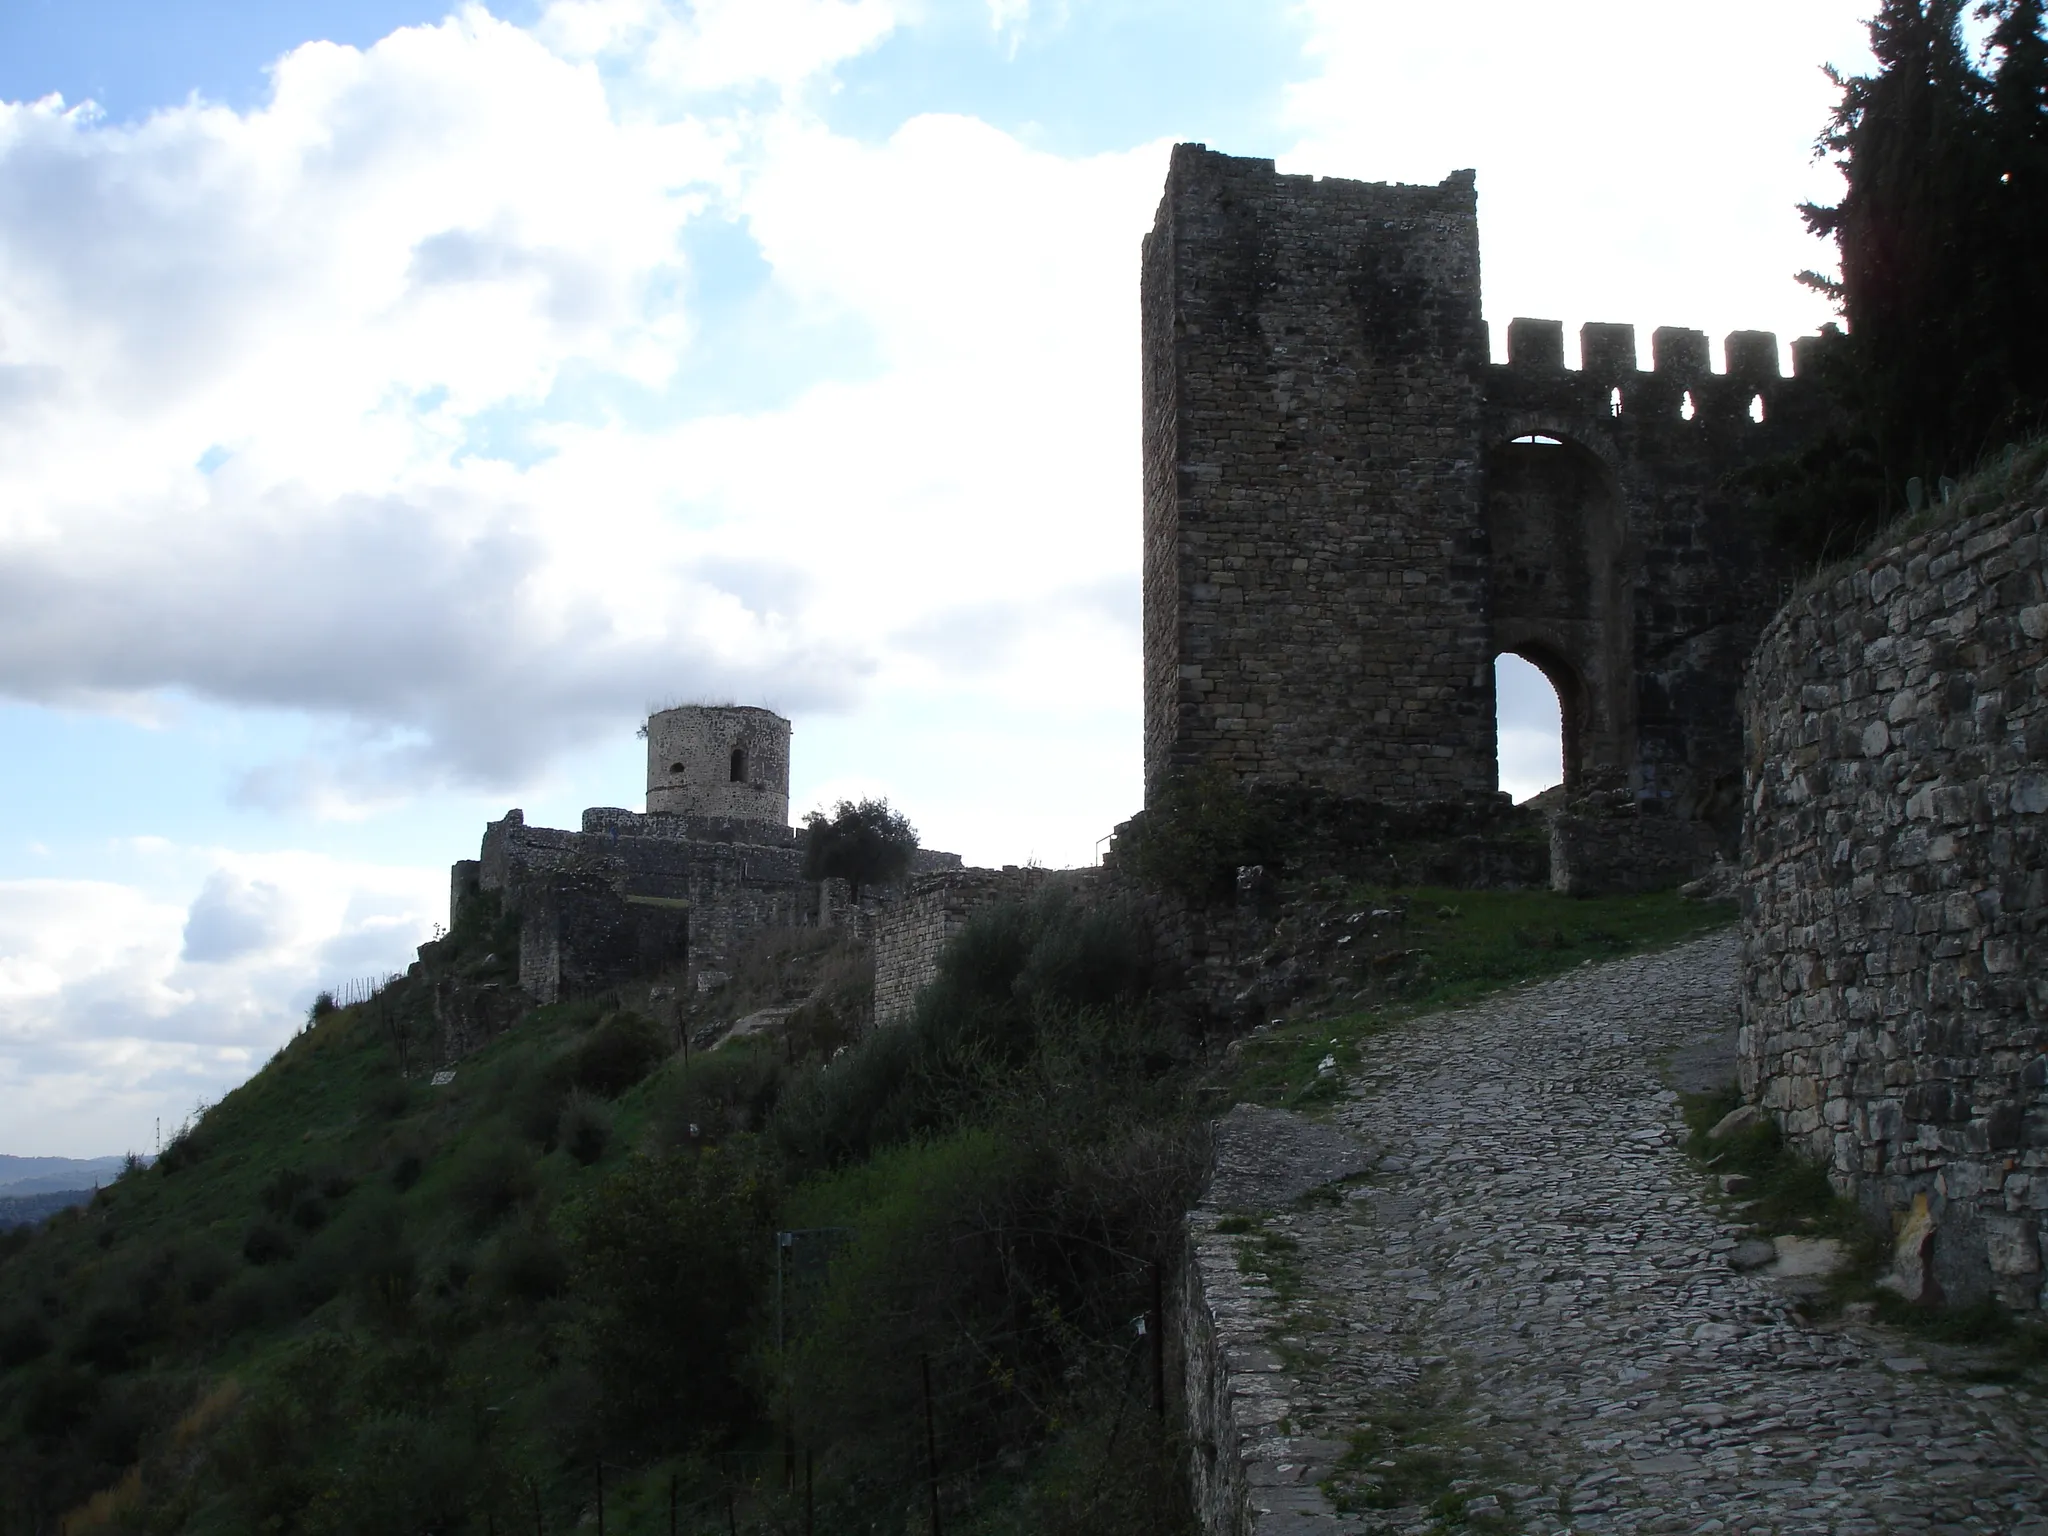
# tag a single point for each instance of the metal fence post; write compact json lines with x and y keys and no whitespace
{"x":931,"y":1441}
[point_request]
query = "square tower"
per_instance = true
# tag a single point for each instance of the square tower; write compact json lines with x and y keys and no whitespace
{"x":1315,"y":543}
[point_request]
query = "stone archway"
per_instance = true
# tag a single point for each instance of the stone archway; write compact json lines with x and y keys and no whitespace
{"x":1560,"y":594}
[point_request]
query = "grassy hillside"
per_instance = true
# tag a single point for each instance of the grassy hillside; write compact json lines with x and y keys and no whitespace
{"x":772,"y":1286}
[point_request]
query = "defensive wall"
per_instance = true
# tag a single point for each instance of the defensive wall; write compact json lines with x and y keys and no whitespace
{"x":1350,"y":511}
{"x":1895,"y":888}
{"x":628,"y":893}
{"x":933,"y":907}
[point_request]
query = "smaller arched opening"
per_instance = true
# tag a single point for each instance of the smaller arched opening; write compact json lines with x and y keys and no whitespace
{"x":1539,"y":711}
{"x":676,"y":768}
{"x":739,"y":765}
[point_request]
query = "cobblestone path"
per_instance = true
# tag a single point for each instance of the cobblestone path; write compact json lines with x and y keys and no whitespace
{"x":1526,"y":1305}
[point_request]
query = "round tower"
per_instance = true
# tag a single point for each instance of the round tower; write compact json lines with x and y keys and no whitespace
{"x":732,"y":761}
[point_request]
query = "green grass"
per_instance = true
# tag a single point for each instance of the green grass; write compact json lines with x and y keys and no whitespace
{"x":1787,"y":1193}
{"x":1446,"y":948}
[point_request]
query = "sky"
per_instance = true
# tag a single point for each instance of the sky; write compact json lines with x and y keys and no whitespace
{"x":397,"y":402}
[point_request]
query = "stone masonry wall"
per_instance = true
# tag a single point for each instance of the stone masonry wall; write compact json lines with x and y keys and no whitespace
{"x":1350,"y":511}
{"x":1895,"y":887}
{"x":728,"y":762}
{"x":910,"y":933}
{"x":1314,"y":603}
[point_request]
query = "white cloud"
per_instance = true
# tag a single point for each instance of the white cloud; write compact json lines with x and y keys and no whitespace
{"x":252,"y":353}
{"x":1636,"y":162}
{"x":123,"y":1001}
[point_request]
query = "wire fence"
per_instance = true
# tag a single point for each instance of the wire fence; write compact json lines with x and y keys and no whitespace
{"x":359,"y":989}
{"x":782,"y":1491}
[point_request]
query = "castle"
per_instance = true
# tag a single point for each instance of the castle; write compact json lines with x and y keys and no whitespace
{"x":712,"y":860}
{"x":1350,"y":512}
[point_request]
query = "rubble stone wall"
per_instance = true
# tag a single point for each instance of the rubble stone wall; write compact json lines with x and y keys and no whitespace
{"x":909,"y":934}
{"x":1895,"y":887}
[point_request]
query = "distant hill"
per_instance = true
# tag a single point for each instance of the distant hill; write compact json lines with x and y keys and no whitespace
{"x":27,"y":1210}
{"x":49,"y":1175}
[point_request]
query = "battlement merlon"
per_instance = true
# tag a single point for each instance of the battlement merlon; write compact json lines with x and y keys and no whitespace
{"x":1608,"y":352}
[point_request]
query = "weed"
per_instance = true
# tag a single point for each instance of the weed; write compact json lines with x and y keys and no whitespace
{"x":1786,"y":1193}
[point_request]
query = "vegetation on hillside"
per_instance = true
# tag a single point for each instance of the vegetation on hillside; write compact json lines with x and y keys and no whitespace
{"x":354,"y":1300}
{"x":351,"y":1300}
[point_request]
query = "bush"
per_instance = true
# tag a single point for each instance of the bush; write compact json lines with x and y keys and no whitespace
{"x":727,"y":1093}
{"x":1199,"y":830}
{"x":1014,"y":972}
{"x":494,"y":1176}
{"x":265,"y":1243}
{"x":58,"y":1402}
{"x":623,"y":1049}
{"x":389,"y":1099}
{"x":529,"y":1266}
{"x":282,"y":1190}
{"x":536,"y":1107}
{"x":944,"y":1260}
{"x":669,"y":1256}
{"x":23,"y":1339}
{"x":585,"y":1128}
{"x":110,"y":1334}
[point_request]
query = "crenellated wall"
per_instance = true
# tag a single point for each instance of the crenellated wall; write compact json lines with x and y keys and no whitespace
{"x":1895,"y":896}
{"x":1350,"y":512}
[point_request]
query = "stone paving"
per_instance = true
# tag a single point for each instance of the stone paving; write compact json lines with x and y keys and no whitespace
{"x":1526,"y":1306}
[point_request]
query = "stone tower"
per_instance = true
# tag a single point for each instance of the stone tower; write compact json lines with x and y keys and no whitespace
{"x":1315,"y":540}
{"x":729,"y":762}
{"x":1350,"y":511}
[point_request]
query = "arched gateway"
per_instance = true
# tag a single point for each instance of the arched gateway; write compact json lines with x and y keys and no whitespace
{"x":1350,"y":511}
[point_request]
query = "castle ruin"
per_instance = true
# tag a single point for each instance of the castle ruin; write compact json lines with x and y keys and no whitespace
{"x":1350,"y":512}
{"x":712,"y":861}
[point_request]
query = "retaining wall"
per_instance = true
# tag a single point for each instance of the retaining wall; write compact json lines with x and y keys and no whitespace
{"x":910,"y":933}
{"x":1895,"y":885}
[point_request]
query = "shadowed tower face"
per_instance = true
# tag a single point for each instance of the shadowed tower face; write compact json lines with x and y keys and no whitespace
{"x":731,"y":763}
{"x":1315,"y":602}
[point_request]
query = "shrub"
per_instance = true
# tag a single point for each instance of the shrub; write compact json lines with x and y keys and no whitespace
{"x":110,"y":1333}
{"x":669,"y":1255}
{"x":22,"y":1339}
{"x":203,"y":1271}
{"x":406,"y":1169}
{"x":536,"y":1106}
{"x":727,"y":1093}
{"x":940,"y":1263}
{"x":309,"y":1212}
{"x":1200,"y":828}
{"x":529,"y":1265}
{"x":281,"y":1191}
{"x":494,"y":1176}
{"x":58,"y":1402}
{"x":265,"y":1243}
{"x":623,"y":1049}
{"x":389,"y":1099}
{"x":585,"y":1129}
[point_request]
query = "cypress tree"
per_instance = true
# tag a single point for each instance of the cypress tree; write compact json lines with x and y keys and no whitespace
{"x":1940,"y":233}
